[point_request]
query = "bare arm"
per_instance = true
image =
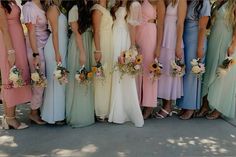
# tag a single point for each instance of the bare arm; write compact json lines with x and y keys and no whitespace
{"x":79,"y":42}
{"x":201,"y":35}
{"x":6,"y":37}
{"x":96,"y":20}
{"x":52,"y":15}
{"x":182,"y":9}
{"x":160,"y":25}
{"x":232,"y":47}
{"x":132,"y":30}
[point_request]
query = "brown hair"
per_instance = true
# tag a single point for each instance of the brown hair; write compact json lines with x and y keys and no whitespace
{"x":173,"y":2}
{"x":115,"y":8}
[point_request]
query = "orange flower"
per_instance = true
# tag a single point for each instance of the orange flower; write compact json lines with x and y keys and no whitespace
{"x":90,"y":75}
{"x":94,"y":69}
{"x":139,"y":59}
{"x":233,"y":61}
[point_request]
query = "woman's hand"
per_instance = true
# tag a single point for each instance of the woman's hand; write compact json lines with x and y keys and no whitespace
{"x":200,"y":53}
{"x":230,"y":50}
{"x":36,"y":61}
{"x":11,"y":59}
{"x":98,"y":56}
{"x":82,"y":59}
{"x":58,"y":58}
{"x":179,"y":53}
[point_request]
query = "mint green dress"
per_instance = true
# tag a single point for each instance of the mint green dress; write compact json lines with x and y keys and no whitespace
{"x":79,"y":98}
{"x":221,"y":91}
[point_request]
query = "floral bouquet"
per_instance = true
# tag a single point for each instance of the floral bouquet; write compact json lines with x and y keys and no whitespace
{"x":83,"y":76}
{"x":129,"y":62}
{"x":15,"y":77}
{"x":225,"y":66}
{"x":198,"y":68}
{"x":61,"y":74}
{"x":98,"y":71}
{"x":155,"y":70}
{"x":178,"y":68}
{"x":38,"y":79}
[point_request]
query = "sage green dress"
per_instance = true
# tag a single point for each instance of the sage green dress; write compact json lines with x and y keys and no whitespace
{"x":79,"y":98}
{"x":221,"y":91}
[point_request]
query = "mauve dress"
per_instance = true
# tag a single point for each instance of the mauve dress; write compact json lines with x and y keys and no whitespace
{"x":15,"y":96}
{"x":146,"y":39}
{"x":36,"y":16}
{"x":169,"y":87}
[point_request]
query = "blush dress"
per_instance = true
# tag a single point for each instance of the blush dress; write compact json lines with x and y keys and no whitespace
{"x":146,"y":38}
{"x":102,"y":89}
{"x":15,"y":96}
{"x":192,"y":84}
{"x":124,"y":98}
{"x":169,"y":87}
{"x":54,"y":104}
{"x":36,"y":16}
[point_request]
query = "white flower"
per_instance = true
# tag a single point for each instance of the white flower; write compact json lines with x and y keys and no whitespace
{"x":57,"y":74}
{"x":77,"y":77}
{"x":229,"y":58}
{"x":35,"y":77}
{"x":221,"y":72}
{"x":137,"y":67}
{"x":13,"y":77}
{"x":196,"y":69}
{"x":194,"y":62}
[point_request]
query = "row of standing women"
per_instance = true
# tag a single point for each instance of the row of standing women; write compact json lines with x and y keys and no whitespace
{"x":163,"y":30}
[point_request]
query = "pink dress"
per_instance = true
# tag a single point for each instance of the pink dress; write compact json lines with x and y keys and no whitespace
{"x":169,"y":87}
{"x":36,"y":16}
{"x":146,"y":39}
{"x":15,"y":96}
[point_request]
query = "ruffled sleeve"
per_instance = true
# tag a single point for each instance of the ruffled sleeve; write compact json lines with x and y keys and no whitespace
{"x":73,"y":14}
{"x":206,"y":9}
{"x":135,"y":14}
{"x":29,"y":13}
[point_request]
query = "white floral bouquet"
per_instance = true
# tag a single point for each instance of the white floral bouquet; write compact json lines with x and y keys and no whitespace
{"x":225,"y":66}
{"x":129,"y":62}
{"x":38,"y":78}
{"x":83,"y":76}
{"x":198,"y":68}
{"x":15,"y":77}
{"x":155,"y":70}
{"x":98,"y":71}
{"x":61,"y":74}
{"x":178,"y":68}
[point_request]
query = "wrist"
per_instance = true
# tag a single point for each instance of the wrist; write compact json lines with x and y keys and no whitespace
{"x":9,"y":52}
{"x":97,"y":51}
{"x":35,"y":54}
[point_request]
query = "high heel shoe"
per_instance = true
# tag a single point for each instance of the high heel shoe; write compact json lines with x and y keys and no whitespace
{"x":6,"y":125}
{"x":36,"y":120}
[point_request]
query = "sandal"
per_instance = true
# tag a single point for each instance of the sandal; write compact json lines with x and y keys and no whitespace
{"x":183,"y":117}
{"x":160,"y":116}
{"x":201,"y":113}
{"x":213,"y":116}
{"x":7,"y":125}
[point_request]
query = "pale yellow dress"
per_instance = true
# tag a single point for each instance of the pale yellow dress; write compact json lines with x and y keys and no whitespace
{"x":103,"y":87}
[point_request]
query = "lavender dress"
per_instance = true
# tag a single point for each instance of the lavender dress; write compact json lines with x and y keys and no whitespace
{"x":169,"y":87}
{"x":36,"y":16}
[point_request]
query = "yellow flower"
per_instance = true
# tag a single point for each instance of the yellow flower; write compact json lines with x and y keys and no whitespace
{"x":139,"y":59}
{"x":90,"y":75}
{"x":153,"y":67}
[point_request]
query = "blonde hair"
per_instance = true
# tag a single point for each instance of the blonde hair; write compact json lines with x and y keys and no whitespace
{"x":231,"y":13}
{"x":49,"y":3}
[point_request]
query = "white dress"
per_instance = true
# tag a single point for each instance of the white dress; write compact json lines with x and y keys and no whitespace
{"x":124,"y":99}
{"x":53,"y":108}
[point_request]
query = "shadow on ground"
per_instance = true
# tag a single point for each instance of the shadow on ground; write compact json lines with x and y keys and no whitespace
{"x":165,"y":138}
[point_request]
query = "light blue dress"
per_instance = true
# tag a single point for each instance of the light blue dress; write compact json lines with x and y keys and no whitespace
{"x":192,"y":85}
{"x":53,"y":108}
